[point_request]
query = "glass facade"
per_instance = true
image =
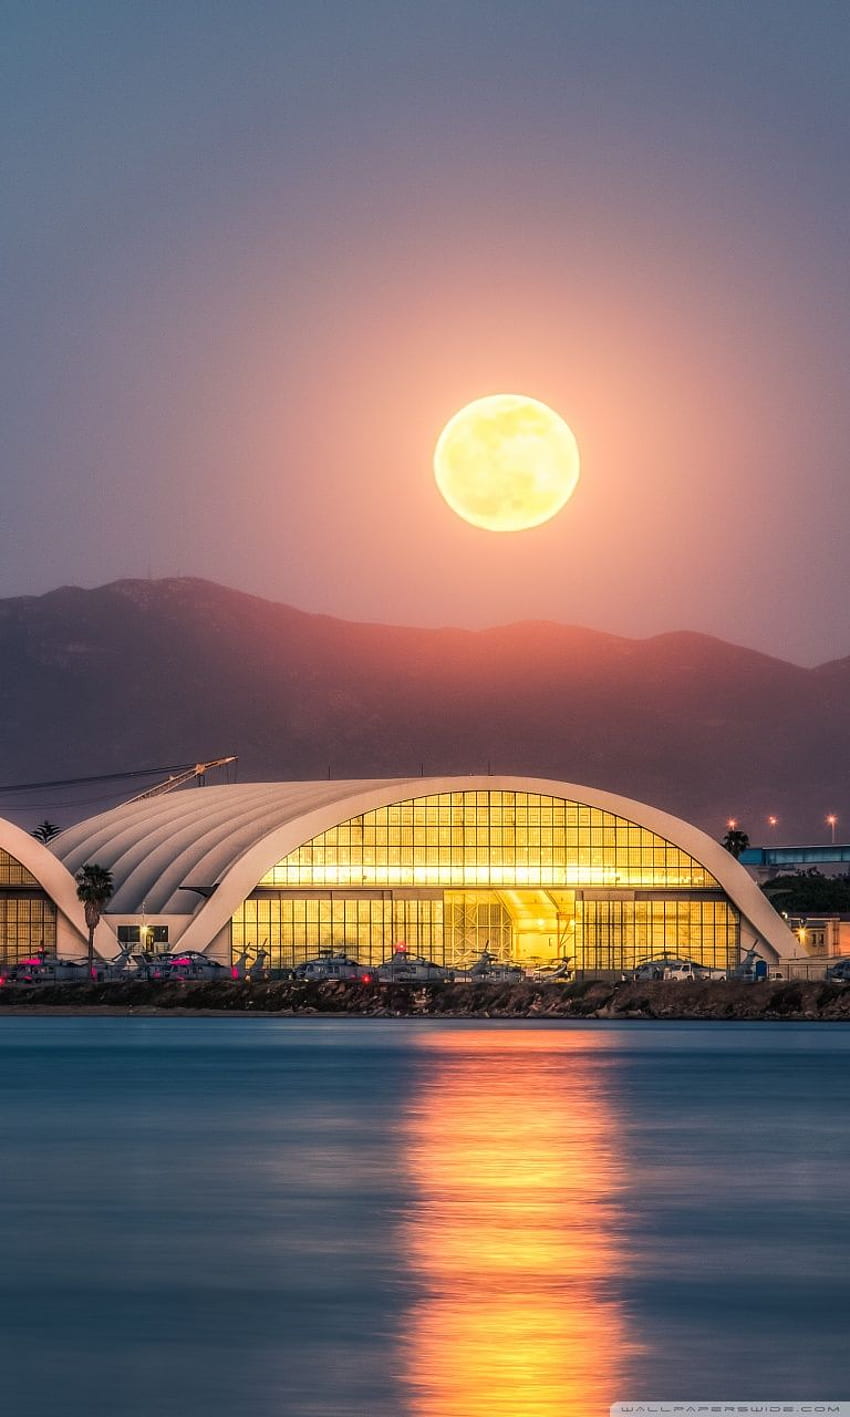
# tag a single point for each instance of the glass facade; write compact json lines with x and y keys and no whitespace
{"x":488,"y":838}
{"x":12,"y":873}
{"x":530,"y":877}
{"x":27,"y":915}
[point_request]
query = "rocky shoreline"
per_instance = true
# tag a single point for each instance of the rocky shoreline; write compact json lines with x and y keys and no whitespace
{"x":585,"y":999}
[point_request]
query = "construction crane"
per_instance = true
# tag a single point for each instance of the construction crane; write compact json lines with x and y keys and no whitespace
{"x":199,"y":771}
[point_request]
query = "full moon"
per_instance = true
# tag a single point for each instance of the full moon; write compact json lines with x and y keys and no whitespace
{"x":506,"y":462}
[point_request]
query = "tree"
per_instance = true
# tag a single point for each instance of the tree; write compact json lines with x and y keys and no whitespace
{"x":735,"y":841}
{"x":46,"y":831}
{"x":809,"y":892}
{"x":94,"y":889}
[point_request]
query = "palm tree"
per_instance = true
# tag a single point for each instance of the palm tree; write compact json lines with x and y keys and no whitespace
{"x":735,"y":841}
{"x":46,"y":831}
{"x":94,"y":889}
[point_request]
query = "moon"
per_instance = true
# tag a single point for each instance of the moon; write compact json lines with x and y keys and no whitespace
{"x":506,"y":462}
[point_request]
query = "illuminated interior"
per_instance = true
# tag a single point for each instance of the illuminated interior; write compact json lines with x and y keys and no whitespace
{"x":532,"y":878}
{"x":27,"y":915}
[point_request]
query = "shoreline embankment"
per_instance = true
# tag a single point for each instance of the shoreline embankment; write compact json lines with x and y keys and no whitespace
{"x":788,"y":1000}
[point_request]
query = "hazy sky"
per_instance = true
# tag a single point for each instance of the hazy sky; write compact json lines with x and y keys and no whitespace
{"x":256,"y":254}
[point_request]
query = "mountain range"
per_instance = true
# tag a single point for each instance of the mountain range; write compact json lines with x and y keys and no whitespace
{"x":141,"y":673}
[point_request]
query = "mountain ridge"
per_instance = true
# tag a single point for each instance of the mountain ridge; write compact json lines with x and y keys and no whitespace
{"x":142,"y":588}
{"x":139,"y":672}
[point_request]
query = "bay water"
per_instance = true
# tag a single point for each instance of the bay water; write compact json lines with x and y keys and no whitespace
{"x":263,"y":1217}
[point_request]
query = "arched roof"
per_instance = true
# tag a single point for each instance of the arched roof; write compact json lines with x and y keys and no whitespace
{"x":202,"y":851}
{"x":54,"y":878}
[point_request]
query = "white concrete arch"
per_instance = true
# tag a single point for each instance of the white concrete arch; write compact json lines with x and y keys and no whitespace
{"x":56,"y":881}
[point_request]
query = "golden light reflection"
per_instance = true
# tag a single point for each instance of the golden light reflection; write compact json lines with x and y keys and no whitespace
{"x":512,"y":1233}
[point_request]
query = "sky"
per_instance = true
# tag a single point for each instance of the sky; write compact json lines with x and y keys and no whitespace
{"x":256,"y":254}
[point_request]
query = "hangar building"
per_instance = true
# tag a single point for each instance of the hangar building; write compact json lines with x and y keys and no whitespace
{"x":531,"y":869}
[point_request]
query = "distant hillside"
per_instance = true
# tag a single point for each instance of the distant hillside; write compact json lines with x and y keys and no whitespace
{"x":140,"y":673}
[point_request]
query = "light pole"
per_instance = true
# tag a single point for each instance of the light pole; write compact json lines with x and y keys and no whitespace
{"x":831,"y":820}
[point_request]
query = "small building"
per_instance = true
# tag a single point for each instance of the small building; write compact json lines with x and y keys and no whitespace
{"x":765,"y":862}
{"x":821,"y":935}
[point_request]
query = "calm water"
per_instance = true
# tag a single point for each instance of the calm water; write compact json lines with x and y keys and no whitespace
{"x":275,"y":1218}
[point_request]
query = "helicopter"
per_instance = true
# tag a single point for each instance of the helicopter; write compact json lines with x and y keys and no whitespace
{"x":752,"y":968}
{"x":257,"y":968}
{"x":327,"y":965}
{"x":186,"y":964}
{"x":44,"y":969}
{"x":668,"y":967}
{"x":404,"y":966}
{"x":490,"y":968}
{"x":559,"y":971}
{"x":839,"y":972}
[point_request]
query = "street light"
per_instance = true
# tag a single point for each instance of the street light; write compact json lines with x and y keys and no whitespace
{"x":772,"y":821}
{"x":831,"y":820}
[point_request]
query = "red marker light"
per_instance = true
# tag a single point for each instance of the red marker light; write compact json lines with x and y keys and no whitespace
{"x":234,"y":972}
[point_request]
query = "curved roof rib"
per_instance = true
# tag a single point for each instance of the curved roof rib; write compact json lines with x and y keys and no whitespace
{"x":159,"y":849}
